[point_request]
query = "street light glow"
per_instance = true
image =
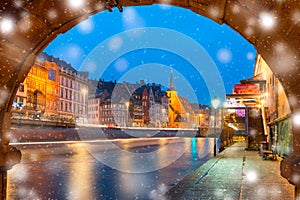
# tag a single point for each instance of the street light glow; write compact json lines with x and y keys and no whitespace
{"x":84,"y":91}
{"x":215,"y":102}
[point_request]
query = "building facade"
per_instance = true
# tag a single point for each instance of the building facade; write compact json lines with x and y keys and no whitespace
{"x":53,"y":90}
{"x":277,"y":110}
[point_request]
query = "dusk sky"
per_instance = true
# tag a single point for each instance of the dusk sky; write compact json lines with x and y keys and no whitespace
{"x":231,"y":54}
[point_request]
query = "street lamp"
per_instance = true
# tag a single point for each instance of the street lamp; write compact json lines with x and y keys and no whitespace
{"x":84,"y":91}
{"x":187,"y":121}
{"x":215,"y":104}
{"x":127,"y":113}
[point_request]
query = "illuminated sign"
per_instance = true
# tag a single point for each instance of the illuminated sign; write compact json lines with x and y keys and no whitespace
{"x":246,"y":89}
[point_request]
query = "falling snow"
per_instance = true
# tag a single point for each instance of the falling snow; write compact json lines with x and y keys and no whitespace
{"x":251,"y":176}
{"x":267,"y":20}
{"x":76,"y":4}
{"x":86,"y":26}
{"x":115,"y":44}
{"x":3,"y":96}
{"x":6,"y":25}
{"x":224,"y":55}
{"x":52,"y":14}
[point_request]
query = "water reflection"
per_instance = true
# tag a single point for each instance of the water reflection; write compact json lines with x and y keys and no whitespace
{"x":69,"y":171}
{"x":80,"y":180}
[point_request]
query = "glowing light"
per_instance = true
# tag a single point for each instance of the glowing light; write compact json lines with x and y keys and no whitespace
{"x":215,"y":102}
{"x":75,"y":3}
{"x":296,"y":119}
{"x":267,"y":20}
{"x":84,"y":91}
{"x":251,"y":176}
{"x":6,"y":25}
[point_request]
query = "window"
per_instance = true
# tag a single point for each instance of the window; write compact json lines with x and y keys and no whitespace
{"x":21,"y":88}
{"x":51,"y":74}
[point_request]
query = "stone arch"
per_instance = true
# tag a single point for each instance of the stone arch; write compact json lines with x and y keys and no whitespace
{"x":37,"y":22}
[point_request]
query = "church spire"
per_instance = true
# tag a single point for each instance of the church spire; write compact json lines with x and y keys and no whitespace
{"x":171,"y":80}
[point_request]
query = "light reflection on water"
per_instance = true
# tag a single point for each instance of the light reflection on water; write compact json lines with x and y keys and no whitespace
{"x":69,"y":171}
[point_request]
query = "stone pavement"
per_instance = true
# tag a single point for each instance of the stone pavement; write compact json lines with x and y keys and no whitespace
{"x":235,"y":174}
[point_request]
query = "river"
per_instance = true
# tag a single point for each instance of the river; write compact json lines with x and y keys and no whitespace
{"x":141,"y":168}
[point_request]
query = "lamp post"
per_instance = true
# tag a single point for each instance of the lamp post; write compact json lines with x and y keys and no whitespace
{"x":187,"y":121}
{"x":215,"y":104}
{"x":84,"y":92}
{"x":127,"y":113}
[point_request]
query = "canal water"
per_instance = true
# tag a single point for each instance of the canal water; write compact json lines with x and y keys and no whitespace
{"x":105,"y":169}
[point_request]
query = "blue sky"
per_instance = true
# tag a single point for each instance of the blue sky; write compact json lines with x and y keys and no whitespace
{"x":233,"y":56}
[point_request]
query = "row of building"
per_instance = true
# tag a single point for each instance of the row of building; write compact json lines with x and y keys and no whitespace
{"x":52,"y":90}
{"x":55,"y":91}
{"x":143,"y":105}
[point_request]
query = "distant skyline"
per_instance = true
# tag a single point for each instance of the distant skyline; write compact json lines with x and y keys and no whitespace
{"x":233,"y":56}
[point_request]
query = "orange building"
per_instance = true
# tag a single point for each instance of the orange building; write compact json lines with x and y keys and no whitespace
{"x":180,"y":112}
{"x":35,"y":83}
{"x":37,"y":96}
{"x":52,"y":90}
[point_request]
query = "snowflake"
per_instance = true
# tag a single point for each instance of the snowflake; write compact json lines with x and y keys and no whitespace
{"x":18,"y":3}
{"x":280,"y":48}
{"x":224,"y":55}
{"x":296,"y":118}
{"x":267,"y":20}
{"x":251,"y":176}
{"x":235,"y":9}
{"x":253,"y":132}
{"x":249,"y":31}
{"x":73,"y":51}
{"x":296,"y":16}
{"x":20,"y":174}
{"x":115,"y":44}
{"x":75,"y":3}
{"x":52,"y":14}
{"x":131,"y":19}
{"x":86,"y":26}
{"x":3,"y":96}
{"x":91,"y":66}
{"x":25,"y":25}
{"x":251,"y":21}
{"x":6,"y":25}
{"x":129,"y":15}
{"x":250,"y":56}
{"x":164,"y":7}
{"x":214,"y":12}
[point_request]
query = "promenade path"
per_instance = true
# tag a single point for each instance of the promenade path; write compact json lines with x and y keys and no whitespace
{"x":235,"y":174}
